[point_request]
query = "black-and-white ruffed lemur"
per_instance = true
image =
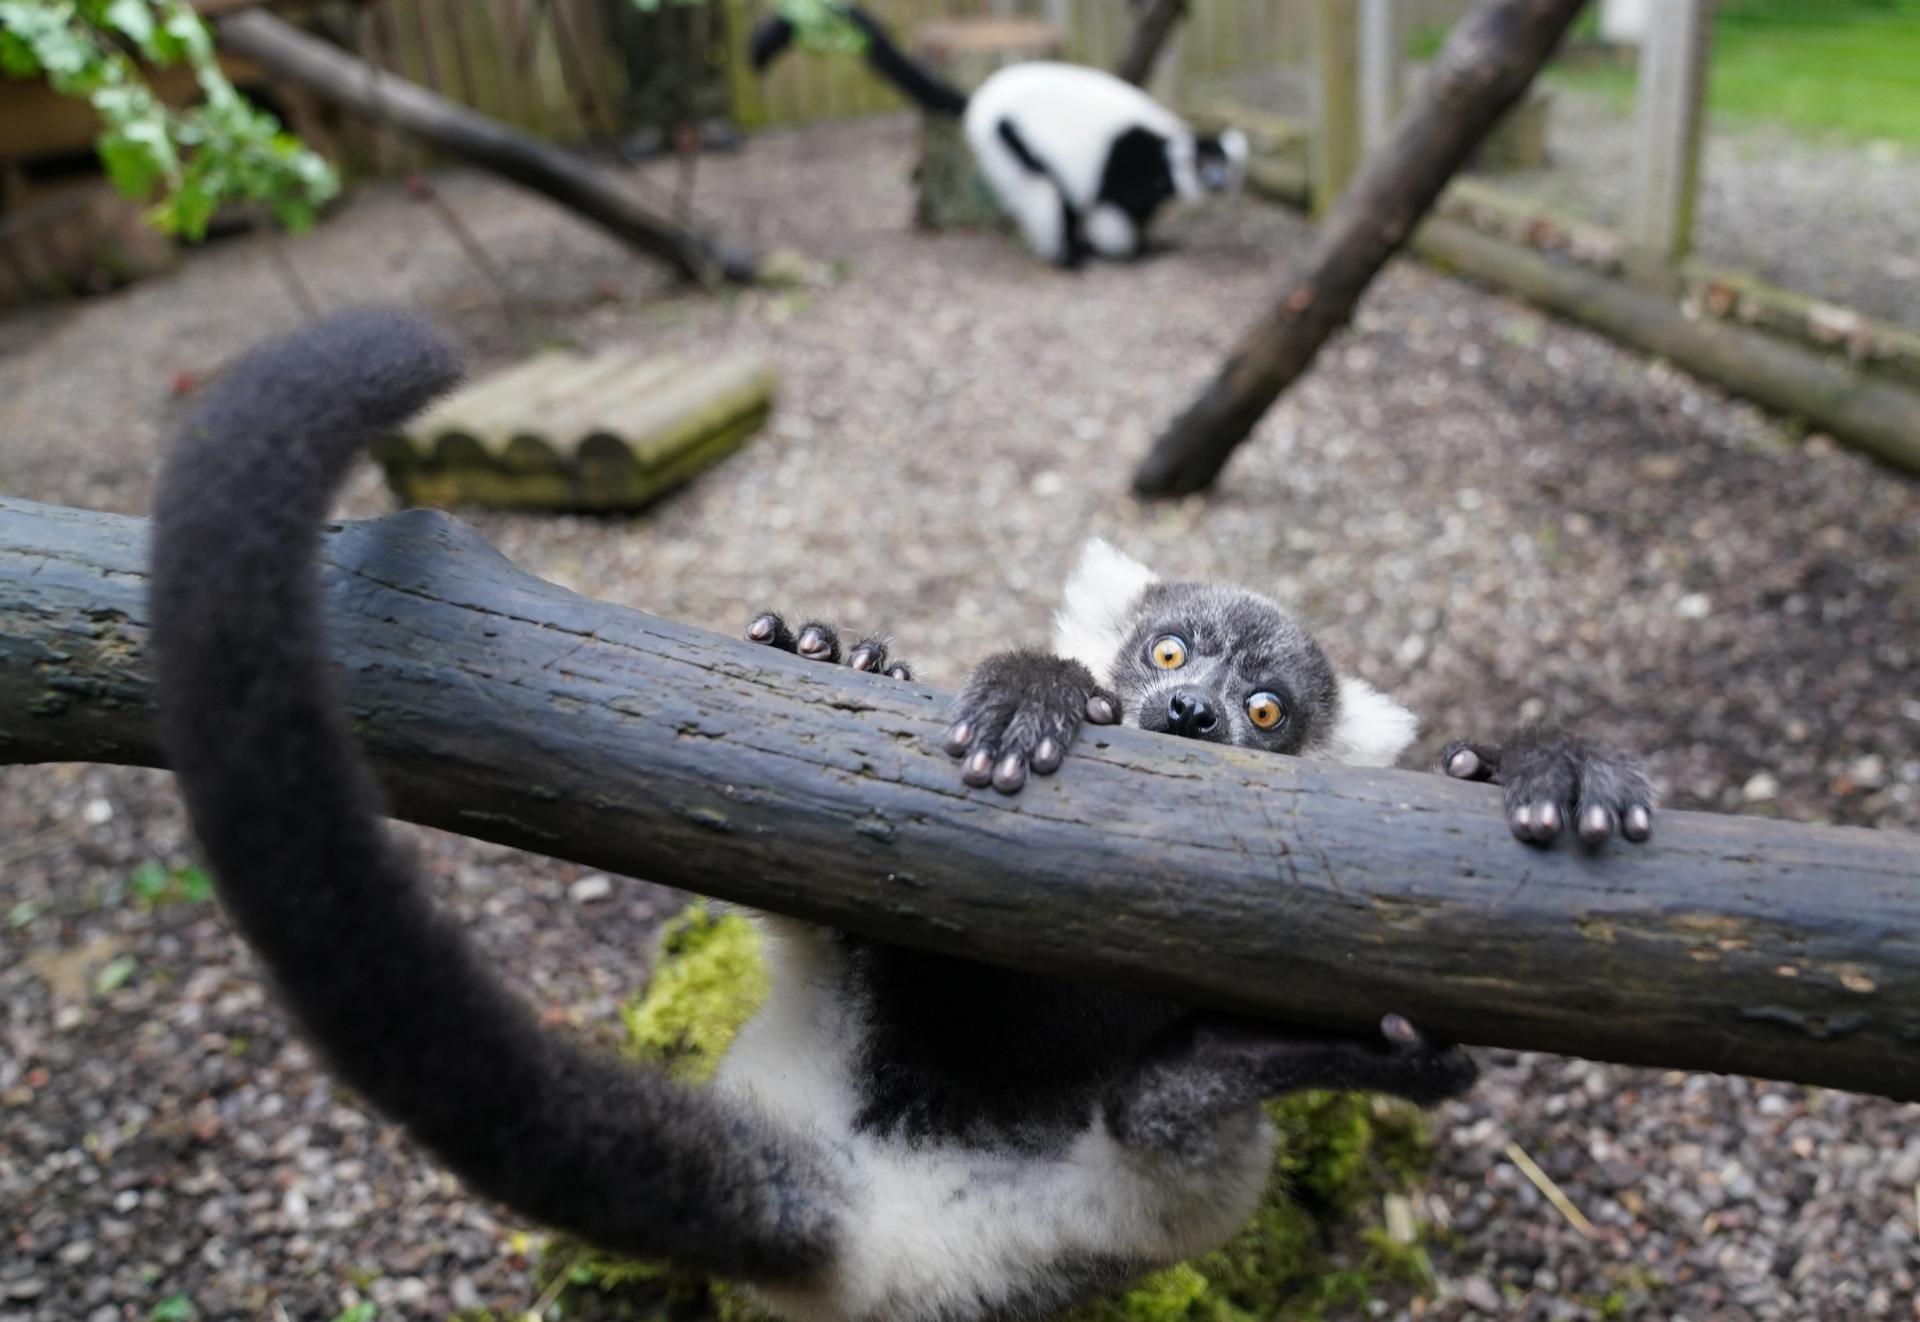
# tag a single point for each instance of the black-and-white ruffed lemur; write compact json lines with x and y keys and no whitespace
{"x":1079,"y":158}
{"x":897,"y":1136}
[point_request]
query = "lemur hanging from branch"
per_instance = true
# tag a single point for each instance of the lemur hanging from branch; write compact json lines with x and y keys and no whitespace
{"x":898,"y":1134}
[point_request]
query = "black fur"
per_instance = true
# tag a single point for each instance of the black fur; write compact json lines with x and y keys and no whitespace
{"x":771,"y":36}
{"x":914,"y":80}
{"x":1138,"y":178}
{"x":251,"y":720}
{"x":1073,"y":244}
{"x":819,"y":641}
{"x":986,"y":1056}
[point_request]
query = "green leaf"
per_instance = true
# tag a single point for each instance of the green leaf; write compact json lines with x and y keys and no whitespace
{"x":113,"y":975}
{"x":360,"y":1312}
{"x":22,"y":913}
{"x":16,"y":57}
{"x":134,"y":20}
{"x":174,"y":1308}
{"x":149,"y":882}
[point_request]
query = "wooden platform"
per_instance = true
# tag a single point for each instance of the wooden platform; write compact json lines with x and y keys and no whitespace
{"x":604,"y":431}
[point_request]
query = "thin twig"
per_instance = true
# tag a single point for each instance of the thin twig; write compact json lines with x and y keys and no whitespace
{"x":1544,"y":1183}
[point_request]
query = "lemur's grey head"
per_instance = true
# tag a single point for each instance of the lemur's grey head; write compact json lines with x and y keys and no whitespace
{"x":1221,"y":663}
{"x":1221,"y":161}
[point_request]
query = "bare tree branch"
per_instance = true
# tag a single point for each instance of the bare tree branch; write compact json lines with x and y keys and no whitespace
{"x":1486,"y":64}
{"x":507,"y":708}
{"x":1157,"y":21}
{"x":554,"y":172}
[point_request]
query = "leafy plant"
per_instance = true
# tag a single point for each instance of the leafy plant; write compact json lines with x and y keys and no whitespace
{"x":174,"y":1308}
{"x":155,"y":886}
{"x":225,"y":149}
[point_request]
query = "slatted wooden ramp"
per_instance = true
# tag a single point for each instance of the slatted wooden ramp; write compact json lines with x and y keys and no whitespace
{"x":610,"y":430}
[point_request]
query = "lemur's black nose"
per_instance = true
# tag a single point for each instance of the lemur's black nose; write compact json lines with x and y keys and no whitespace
{"x":1190,"y":713}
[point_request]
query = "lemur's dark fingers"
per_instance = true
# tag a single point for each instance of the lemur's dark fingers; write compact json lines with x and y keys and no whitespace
{"x":869,"y":654}
{"x":1537,"y":822}
{"x":1103,"y":707}
{"x":1637,"y":824}
{"x":1466,"y":761}
{"x":818,"y":641}
{"x":770,"y":630}
{"x":897,"y":669}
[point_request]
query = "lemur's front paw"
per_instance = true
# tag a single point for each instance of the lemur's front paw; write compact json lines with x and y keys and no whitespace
{"x":821,"y":642}
{"x":1552,"y":780}
{"x":1019,"y":712}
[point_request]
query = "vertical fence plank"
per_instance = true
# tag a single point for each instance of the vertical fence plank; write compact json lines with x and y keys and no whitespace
{"x":1335,"y":147}
{"x":1383,"y":44}
{"x":1673,"y":70}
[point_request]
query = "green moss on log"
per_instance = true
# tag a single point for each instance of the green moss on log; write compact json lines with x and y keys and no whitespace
{"x":1315,"y":1245}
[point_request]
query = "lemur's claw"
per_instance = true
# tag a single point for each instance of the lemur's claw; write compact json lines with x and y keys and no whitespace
{"x":769,"y":629}
{"x":819,"y":641}
{"x":1103,"y":708}
{"x":1637,"y":825}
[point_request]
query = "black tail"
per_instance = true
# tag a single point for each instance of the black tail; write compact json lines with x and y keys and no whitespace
{"x":252,"y":721}
{"x":918,"y":83}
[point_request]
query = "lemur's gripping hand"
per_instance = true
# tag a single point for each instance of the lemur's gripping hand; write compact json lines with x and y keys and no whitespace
{"x":821,"y":642}
{"x":1552,"y":780}
{"x":1019,"y":712}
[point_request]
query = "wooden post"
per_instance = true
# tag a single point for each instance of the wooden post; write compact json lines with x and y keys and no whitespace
{"x":1673,"y":69}
{"x":1335,"y":150}
{"x":1383,"y":45}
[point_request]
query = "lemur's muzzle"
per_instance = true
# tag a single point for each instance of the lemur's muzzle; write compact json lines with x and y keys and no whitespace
{"x":1193,"y":714}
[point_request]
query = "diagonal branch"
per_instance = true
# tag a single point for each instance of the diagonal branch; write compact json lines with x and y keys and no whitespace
{"x":501,"y":706}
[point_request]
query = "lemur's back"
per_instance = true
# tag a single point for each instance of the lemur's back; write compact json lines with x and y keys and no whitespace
{"x":961,"y":1106}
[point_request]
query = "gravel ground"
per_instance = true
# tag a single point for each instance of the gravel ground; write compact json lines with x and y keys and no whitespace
{"x":1820,"y":216}
{"x":1492,"y":515}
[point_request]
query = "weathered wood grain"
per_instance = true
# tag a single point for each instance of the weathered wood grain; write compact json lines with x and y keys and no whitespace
{"x":507,"y":708}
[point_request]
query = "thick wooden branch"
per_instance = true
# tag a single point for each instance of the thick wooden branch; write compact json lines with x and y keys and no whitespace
{"x":1487,"y":63}
{"x":554,"y":172}
{"x":1156,"y":23}
{"x":504,"y":707}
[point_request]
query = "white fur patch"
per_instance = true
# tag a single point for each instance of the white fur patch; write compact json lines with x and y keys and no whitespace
{"x":1097,"y":604}
{"x":1369,"y":728}
{"x":931,"y":1230}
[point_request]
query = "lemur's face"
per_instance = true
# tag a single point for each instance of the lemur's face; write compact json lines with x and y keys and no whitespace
{"x":1219,"y":663}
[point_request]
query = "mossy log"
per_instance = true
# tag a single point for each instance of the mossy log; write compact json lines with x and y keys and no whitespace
{"x":605,"y":431}
{"x":563,"y":176}
{"x":500,"y":706}
{"x":1854,"y":378}
{"x":1869,"y":413}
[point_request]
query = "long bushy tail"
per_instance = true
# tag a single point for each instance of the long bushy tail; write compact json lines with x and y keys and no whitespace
{"x":252,"y":720}
{"x":919,"y":84}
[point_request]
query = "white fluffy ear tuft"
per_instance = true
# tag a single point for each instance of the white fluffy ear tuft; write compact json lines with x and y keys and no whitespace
{"x":1369,"y":729}
{"x":1099,"y":596}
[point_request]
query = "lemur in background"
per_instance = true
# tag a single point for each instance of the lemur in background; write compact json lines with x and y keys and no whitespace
{"x":897,"y":1136}
{"x":1079,"y":158}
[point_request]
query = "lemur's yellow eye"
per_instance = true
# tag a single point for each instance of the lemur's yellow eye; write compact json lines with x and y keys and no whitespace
{"x":1168,"y":652}
{"x":1266,"y":710}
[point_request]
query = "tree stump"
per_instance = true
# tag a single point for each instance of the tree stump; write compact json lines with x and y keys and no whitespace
{"x":952,"y":193}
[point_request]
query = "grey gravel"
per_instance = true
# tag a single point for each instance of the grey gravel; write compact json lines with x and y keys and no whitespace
{"x":1492,"y":515}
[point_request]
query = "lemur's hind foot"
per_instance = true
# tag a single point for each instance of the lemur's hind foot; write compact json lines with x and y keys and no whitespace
{"x":1553,"y":780}
{"x":1213,"y":1065}
{"x":818,"y":641}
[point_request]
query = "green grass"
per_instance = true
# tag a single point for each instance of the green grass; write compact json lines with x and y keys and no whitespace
{"x":1845,"y":67}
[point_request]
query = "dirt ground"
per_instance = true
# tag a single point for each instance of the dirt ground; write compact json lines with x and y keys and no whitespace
{"x":1492,"y":515}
